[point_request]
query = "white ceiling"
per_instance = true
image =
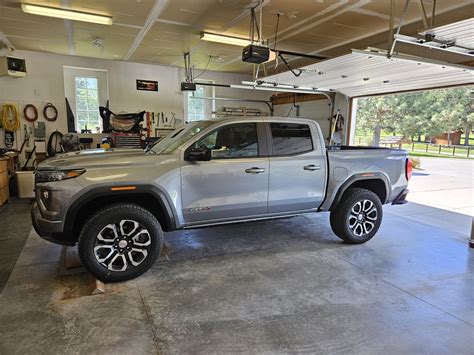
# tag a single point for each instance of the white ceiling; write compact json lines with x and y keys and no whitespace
{"x":160,"y":31}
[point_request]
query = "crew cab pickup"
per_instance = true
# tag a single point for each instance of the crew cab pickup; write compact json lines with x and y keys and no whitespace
{"x":115,"y":204}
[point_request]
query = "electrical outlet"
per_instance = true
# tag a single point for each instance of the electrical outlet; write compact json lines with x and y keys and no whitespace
{"x":37,"y":92}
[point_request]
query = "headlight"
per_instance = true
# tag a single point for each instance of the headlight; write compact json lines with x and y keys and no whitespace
{"x":57,"y":175}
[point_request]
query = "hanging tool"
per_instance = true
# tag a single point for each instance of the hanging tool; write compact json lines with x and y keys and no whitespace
{"x":28,"y":133}
{"x":11,"y":119}
{"x":11,"y":122}
{"x":33,"y":117}
{"x":50,"y":106}
{"x":337,"y":129}
{"x":29,"y":157}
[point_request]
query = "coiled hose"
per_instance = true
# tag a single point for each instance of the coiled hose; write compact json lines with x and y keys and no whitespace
{"x":10,"y":119}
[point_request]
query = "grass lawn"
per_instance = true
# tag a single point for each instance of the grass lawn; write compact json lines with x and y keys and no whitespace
{"x":436,"y":155}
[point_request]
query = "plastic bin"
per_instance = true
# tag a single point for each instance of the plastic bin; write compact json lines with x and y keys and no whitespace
{"x":26,"y":183}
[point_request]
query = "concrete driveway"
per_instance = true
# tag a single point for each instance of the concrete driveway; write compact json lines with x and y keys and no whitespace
{"x":444,"y":183}
{"x":442,"y":196}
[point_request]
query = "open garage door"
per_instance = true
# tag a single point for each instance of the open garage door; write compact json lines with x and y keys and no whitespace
{"x":368,"y":72}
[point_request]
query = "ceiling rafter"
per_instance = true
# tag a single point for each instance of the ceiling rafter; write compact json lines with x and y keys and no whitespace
{"x":155,"y":12}
{"x":69,"y":27}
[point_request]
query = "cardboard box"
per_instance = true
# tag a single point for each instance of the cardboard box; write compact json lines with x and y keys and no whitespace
{"x":12,"y":161}
{"x":4,"y":179}
{"x":4,"y":195}
{"x":3,"y":165}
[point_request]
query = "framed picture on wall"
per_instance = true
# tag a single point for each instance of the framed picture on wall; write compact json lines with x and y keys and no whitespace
{"x":147,"y":85}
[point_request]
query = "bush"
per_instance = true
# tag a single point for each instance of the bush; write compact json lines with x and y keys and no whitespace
{"x":416,"y":162}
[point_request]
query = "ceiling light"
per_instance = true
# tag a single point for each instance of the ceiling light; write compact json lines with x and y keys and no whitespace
{"x":66,"y":14}
{"x":235,"y":41}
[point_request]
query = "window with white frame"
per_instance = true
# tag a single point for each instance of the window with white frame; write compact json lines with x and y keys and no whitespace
{"x":87,"y":103}
{"x":200,"y":109}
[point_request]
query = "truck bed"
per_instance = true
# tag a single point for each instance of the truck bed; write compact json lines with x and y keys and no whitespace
{"x":385,"y":164}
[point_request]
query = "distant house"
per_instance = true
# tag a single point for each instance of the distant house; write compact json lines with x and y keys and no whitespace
{"x":448,"y":138}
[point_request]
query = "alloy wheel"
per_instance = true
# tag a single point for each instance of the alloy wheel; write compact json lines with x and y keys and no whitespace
{"x":121,"y":246}
{"x":362,"y":218}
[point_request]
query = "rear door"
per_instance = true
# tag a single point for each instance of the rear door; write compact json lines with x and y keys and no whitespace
{"x":297,"y":178}
{"x":234,"y":183}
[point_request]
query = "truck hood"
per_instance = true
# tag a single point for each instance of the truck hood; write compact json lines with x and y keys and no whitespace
{"x":94,"y":158}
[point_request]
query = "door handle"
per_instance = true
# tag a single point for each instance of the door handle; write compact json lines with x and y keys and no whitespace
{"x":254,"y":170}
{"x":312,"y":167}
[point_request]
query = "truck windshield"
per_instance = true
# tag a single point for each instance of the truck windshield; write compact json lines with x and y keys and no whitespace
{"x":178,"y":137}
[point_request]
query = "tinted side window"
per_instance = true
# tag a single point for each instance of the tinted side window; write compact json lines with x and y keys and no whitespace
{"x":291,"y":138}
{"x":232,"y":141}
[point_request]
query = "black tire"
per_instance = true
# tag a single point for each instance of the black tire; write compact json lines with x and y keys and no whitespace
{"x":126,"y":230}
{"x":346,"y":222}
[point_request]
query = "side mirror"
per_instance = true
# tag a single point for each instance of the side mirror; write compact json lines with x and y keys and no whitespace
{"x":198,"y":154}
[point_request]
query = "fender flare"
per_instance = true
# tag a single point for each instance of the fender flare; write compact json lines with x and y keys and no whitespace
{"x":105,"y":190}
{"x":361,"y":177}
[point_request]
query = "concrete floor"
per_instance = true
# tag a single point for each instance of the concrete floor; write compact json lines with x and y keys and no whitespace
{"x":15,"y":227}
{"x":287,"y":286}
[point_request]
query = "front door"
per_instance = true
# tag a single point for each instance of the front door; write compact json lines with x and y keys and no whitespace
{"x":234,"y":183}
{"x":297,"y":168}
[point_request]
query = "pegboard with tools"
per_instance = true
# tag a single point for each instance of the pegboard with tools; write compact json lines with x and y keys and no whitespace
{"x":160,"y":124}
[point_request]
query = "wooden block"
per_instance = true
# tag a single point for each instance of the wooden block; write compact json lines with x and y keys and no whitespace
{"x":166,"y":250}
{"x":71,"y":258}
{"x":97,"y":287}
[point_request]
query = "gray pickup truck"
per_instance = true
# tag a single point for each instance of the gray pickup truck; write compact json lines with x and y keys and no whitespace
{"x":115,"y":204}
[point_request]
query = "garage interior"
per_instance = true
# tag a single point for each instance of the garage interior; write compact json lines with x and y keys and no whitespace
{"x":274,"y":286}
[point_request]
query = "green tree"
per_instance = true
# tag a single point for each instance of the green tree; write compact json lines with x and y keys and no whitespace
{"x":429,"y":113}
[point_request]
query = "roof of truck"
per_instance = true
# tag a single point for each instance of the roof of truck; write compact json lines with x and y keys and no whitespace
{"x":260,"y":118}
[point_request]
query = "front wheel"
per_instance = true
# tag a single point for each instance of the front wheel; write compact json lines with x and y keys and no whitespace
{"x":120,"y":242}
{"x":357,"y":217}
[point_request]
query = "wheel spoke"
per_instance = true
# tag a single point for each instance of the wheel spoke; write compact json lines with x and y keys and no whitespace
{"x":108,"y":234}
{"x":372,"y":214}
{"x":367,"y":205}
{"x":112,"y":261}
{"x":353,"y":223}
{"x":368,"y":226}
{"x":127,"y":222}
{"x":133,"y":253}
{"x":109,"y":250}
{"x":357,"y":208}
{"x":141,"y":235}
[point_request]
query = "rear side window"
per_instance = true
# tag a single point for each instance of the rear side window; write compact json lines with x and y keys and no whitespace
{"x":291,"y":138}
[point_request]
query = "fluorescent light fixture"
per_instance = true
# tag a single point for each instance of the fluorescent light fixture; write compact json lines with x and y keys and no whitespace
{"x":66,"y":14}
{"x":234,"y":41}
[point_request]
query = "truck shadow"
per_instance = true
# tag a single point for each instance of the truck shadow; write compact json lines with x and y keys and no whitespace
{"x":308,"y":232}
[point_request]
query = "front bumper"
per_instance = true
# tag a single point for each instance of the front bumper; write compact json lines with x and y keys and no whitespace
{"x":401,"y":198}
{"x":51,"y":231}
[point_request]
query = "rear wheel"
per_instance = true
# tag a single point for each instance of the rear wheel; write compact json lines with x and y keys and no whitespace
{"x":357,"y":218}
{"x":120,"y":242}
